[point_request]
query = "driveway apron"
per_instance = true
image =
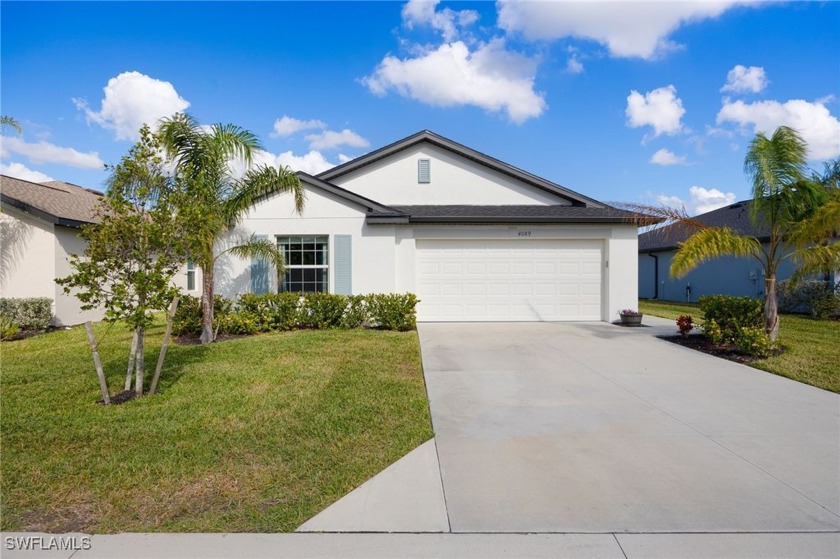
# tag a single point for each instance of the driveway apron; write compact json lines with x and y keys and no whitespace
{"x":590,"y":427}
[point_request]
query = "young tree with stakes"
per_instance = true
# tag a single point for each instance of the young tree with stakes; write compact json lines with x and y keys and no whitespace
{"x":134,"y":251}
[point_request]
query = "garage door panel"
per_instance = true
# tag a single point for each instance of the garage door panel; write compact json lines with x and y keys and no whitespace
{"x":518,"y":279}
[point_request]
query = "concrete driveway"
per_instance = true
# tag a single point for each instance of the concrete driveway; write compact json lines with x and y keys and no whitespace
{"x":554,"y":427}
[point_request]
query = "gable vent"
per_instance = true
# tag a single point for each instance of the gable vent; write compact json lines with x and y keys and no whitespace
{"x":424,"y":171}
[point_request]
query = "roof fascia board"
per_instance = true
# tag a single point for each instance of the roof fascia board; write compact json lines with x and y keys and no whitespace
{"x":371,"y":205}
{"x":468,"y":153}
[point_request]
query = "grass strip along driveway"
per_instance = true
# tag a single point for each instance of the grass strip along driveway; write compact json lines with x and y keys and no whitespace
{"x":253,"y":434}
{"x":812,"y":353}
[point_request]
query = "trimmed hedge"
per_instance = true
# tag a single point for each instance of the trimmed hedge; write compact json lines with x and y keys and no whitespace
{"x":725,"y":315}
{"x":817,"y":298}
{"x":288,"y":311}
{"x":30,"y":315}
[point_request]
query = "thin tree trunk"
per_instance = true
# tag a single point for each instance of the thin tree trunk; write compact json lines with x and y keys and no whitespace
{"x":170,"y":317}
{"x":131,"y":357}
{"x":771,"y":308}
{"x":103,"y":384}
{"x":207,"y":333}
{"x":138,"y":375}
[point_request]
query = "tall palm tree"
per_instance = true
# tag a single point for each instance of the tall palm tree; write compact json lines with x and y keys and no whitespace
{"x":783,"y":197}
{"x":215,"y":200}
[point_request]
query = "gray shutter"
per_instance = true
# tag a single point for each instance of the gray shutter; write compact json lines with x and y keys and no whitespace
{"x":424,"y":171}
{"x":343,"y":264}
{"x":259,"y":272}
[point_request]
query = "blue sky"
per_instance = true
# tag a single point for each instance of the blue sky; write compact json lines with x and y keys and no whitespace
{"x":620,"y":101}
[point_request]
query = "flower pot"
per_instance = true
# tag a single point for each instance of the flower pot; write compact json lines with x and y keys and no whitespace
{"x":631,"y":319}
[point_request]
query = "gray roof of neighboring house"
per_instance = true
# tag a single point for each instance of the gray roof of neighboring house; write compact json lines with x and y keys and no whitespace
{"x":55,"y":201}
{"x":515,"y":214}
{"x":735,"y":216}
{"x":500,"y":166}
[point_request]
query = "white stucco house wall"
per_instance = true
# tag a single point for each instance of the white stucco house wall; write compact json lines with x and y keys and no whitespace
{"x":475,"y":238}
{"x":40,"y":225}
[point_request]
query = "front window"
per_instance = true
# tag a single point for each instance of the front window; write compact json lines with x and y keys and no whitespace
{"x":307,"y":263}
{"x":190,"y":275}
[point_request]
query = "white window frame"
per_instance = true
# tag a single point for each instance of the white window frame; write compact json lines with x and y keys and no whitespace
{"x":325,"y":266}
{"x":191,"y":275}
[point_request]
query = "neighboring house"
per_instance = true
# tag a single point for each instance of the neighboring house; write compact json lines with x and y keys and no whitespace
{"x":40,"y":225}
{"x":728,"y":275}
{"x":475,"y":238}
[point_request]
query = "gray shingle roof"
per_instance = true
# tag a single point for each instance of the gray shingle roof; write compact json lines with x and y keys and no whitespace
{"x":55,"y":201}
{"x":514,"y":214}
{"x":735,"y":216}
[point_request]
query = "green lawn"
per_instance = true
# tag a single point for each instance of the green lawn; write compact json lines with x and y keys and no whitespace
{"x":812,"y":347}
{"x":248,"y":435}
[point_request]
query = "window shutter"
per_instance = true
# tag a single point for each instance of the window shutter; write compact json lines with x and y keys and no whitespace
{"x":259,"y":273}
{"x":343,"y":264}
{"x":424,"y":171}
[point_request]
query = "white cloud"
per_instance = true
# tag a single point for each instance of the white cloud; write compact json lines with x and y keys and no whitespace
{"x":286,"y":126}
{"x":701,"y":200}
{"x":21,"y":171}
{"x":574,"y":66}
{"x":741,"y":79}
{"x":330,"y":139}
{"x":490,"y":77}
{"x":131,"y":100}
{"x":45,"y":152}
{"x":312,"y":162}
{"x":447,"y":21}
{"x":627,"y":29}
{"x":667,"y":157}
{"x":660,"y":108}
{"x":818,"y":127}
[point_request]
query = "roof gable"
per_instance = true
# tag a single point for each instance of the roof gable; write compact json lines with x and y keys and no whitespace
{"x":459,"y":150}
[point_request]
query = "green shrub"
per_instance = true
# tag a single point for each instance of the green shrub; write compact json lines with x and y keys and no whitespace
{"x":238,"y":322}
{"x":753,"y":341}
{"x":817,"y":298}
{"x":356,"y":312}
{"x":272,"y":311}
{"x":393,"y":311}
{"x":323,"y":310}
{"x":30,"y":314}
{"x":731,"y":314}
{"x":187,"y":319}
{"x":711,"y":329}
{"x":8,"y":329}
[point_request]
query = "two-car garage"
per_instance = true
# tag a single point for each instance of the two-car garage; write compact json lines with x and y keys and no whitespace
{"x":520,"y":279}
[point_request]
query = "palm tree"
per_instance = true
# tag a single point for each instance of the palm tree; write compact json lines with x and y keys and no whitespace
{"x":10,"y":122}
{"x":820,"y":252}
{"x":215,"y":201}
{"x":783,"y":198}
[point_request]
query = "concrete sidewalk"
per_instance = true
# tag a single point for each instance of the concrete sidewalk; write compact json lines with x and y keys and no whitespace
{"x":416,"y":546}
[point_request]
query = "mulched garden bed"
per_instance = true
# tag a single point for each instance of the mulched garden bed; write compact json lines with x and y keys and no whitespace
{"x":726,"y":351}
{"x":120,"y":397}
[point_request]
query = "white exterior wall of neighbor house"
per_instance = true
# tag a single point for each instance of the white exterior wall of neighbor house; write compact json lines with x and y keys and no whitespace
{"x":28,"y":256}
{"x":68,"y":309}
{"x":454,"y":181}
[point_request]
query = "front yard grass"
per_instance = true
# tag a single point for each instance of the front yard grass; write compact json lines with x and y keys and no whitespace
{"x":249,"y":435}
{"x":812,"y":353}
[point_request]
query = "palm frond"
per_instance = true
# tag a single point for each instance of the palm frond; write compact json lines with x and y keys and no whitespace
{"x":10,"y":122}
{"x":777,"y":166}
{"x":259,"y":249}
{"x":817,"y":259}
{"x":710,"y":243}
{"x":233,"y":141}
{"x":259,"y":182}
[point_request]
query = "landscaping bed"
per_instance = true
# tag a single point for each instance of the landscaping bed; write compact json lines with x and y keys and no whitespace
{"x":726,"y":351}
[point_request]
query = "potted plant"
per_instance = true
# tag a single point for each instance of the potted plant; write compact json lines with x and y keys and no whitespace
{"x":629,"y":317}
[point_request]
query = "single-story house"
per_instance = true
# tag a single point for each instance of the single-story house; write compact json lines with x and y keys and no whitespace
{"x":40,"y":224}
{"x":475,"y":238}
{"x":727,"y":275}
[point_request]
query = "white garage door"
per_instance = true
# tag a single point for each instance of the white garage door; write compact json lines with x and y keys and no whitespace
{"x":516,"y":280}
